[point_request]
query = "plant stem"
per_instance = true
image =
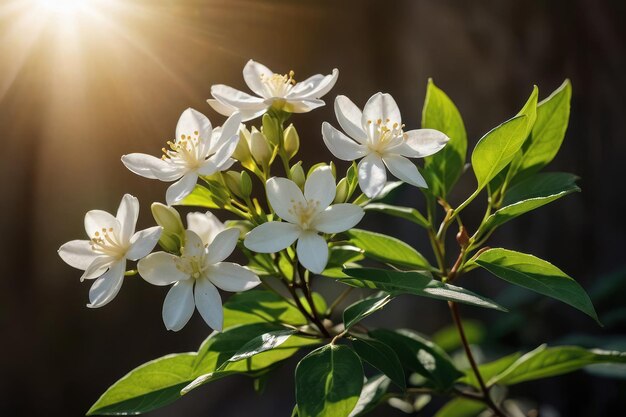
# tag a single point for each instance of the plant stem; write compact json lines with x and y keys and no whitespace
{"x":338,"y":300}
{"x":486,"y":398}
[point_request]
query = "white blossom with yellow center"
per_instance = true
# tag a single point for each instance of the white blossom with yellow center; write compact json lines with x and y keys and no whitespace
{"x":198,"y":272}
{"x":377,"y":135}
{"x":306,"y":215}
{"x":272,"y":90}
{"x":197,"y":150}
{"x":112,"y":241}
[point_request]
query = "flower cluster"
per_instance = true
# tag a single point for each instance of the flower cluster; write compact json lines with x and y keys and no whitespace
{"x":301,"y":213}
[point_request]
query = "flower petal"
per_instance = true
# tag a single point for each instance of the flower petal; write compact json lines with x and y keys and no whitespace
{"x":222,"y":108}
{"x":193,"y":123}
{"x":205,"y":225}
{"x":271,"y":237}
{"x":105,"y":288}
{"x":320,"y":186}
{"x":97,"y":220}
{"x":253,"y":75}
{"x":209,"y":304}
{"x":150,"y":167}
{"x":193,"y":244}
{"x":159,"y":268}
{"x":232,"y":277}
{"x":224,"y":152}
{"x":338,"y":218}
{"x":341,"y":145}
{"x":127,"y":215}
{"x":301,"y":105}
{"x":405,"y":170}
{"x":314,"y":87}
{"x":98,"y":267}
{"x":372,"y":175}
{"x":283,"y":194}
{"x":381,"y":106}
{"x":142,"y":242}
{"x":178,"y":305}
{"x":312,"y":252}
{"x":77,"y":254}
{"x":181,"y":188}
{"x":423,"y":142}
{"x":236,"y":98}
{"x":349,"y":118}
{"x":229,"y":129}
{"x":223,"y":245}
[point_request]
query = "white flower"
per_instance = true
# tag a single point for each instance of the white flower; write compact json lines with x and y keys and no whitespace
{"x":280,"y":91}
{"x":377,"y":136}
{"x":197,"y":272}
{"x":306,"y":216}
{"x":113,"y":241}
{"x":197,"y":150}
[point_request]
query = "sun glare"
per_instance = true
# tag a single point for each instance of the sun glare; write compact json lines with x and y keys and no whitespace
{"x":62,"y":8}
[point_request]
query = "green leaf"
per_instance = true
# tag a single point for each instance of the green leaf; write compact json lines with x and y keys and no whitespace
{"x":545,"y":362}
{"x":257,"y":306}
{"x":461,"y":407}
{"x":328,"y":382}
{"x":444,"y":168}
{"x":371,"y":395}
{"x":386,"y":280}
{"x":420,"y":355}
{"x":363,"y":308}
{"x":548,"y":131}
{"x":537,"y":275}
{"x":497,"y":148}
{"x":532,"y":193}
{"x":381,"y":357}
{"x":387,"y":249}
{"x":344,"y":254}
{"x":489,"y":370}
{"x":407,"y":213}
{"x":201,"y":197}
{"x":448,"y":337}
{"x":159,"y":382}
{"x":416,"y":283}
{"x":266,"y":341}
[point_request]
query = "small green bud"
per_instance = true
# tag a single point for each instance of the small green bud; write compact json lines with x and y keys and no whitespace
{"x":259,"y":148}
{"x":242,"y":151}
{"x":297,"y":174}
{"x":233,"y":182}
{"x":270,"y":129}
{"x":246,"y":184}
{"x":333,"y":169}
{"x":292,"y":141}
{"x":173,"y":230}
{"x":341,"y":195}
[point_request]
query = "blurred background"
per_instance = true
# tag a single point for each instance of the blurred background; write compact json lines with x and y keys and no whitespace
{"x":81,"y":86}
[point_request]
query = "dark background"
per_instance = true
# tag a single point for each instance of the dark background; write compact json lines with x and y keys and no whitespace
{"x":76,"y":95}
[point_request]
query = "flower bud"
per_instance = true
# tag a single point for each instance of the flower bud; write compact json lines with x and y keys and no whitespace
{"x":233,"y":182}
{"x":242,"y":151}
{"x":259,"y":148}
{"x":173,"y":229}
{"x":270,"y":129}
{"x":297,"y":174}
{"x":246,"y":184}
{"x":341,"y":195}
{"x":292,"y":141}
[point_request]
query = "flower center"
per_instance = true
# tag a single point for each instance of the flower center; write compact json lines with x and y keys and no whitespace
{"x":278,"y":85}
{"x":194,"y":266}
{"x":384,"y":134}
{"x":305,"y":213}
{"x":106,"y":242}
{"x":185,"y":151}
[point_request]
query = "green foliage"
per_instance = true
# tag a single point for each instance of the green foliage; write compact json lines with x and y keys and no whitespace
{"x":461,"y":407}
{"x":387,"y":249}
{"x":328,"y":382}
{"x":420,"y":355}
{"x":448,"y":337}
{"x":537,"y":275}
{"x":415,"y":283}
{"x":363,"y":308}
{"x":444,"y":168}
{"x":545,"y":362}
{"x":381,"y":357}
{"x":202,"y":197}
{"x":407,"y":213}
{"x":372,"y":394}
